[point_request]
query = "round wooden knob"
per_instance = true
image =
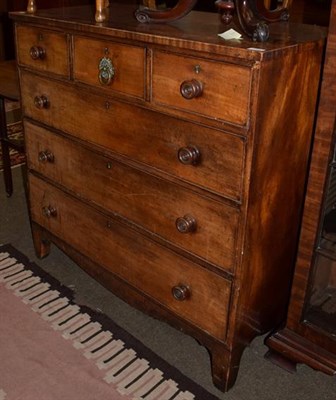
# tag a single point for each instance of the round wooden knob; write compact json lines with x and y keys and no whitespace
{"x":189,"y":155}
{"x":46,"y":156}
{"x":186,"y":224}
{"x":37,"y":53}
{"x":191,"y":89}
{"x":41,"y":102}
{"x":181,"y":292}
{"x":49,"y":211}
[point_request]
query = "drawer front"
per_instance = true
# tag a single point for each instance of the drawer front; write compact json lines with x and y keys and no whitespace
{"x":204,"y":227}
{"x":142,"y":135}
{"x":113,"y":66}
{"x":43,"y":50}
{"x":212,"y":89}
{"x":144,"y":264}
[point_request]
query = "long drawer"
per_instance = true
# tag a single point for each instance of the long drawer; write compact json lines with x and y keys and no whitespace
{"x":190,"y":291}
{"x":197,"y":224}
{"x":202,"y":156}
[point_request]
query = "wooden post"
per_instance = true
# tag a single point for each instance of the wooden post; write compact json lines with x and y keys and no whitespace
{"x":101,"y":10}
{"x":31,"y":7}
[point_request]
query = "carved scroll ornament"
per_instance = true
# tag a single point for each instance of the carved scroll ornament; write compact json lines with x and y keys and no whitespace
{"x":252,"y":15}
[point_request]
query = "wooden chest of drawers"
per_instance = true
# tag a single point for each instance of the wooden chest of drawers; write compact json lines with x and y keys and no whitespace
{"x":171,"y":164}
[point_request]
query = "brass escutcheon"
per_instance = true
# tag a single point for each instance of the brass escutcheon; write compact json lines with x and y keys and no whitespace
{"x":197,"y":69}
{"x":106,"y":71}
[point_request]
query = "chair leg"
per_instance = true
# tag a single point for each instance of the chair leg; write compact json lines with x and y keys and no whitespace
{"x":5,"y":150}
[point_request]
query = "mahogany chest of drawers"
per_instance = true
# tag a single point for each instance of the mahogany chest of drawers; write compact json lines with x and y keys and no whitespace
{"x":170,"y":164}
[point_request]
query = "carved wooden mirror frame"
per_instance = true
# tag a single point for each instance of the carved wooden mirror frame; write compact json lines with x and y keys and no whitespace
{"x":252,"y":16}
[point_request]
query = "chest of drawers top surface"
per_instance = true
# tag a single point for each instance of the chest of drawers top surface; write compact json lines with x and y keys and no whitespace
{"x":197,"y":31}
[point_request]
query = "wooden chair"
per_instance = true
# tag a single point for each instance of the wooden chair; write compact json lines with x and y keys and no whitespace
{"x":9,"y":90}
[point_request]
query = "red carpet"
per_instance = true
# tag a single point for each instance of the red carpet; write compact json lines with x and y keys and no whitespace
{"x":53,"y":349}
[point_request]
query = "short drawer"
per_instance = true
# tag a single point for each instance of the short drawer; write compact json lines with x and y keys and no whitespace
{"x":216,"y":90}
{"x":116,"y":67}
{"x":43,"y":50}
{"x":202,"y":156}
{"x":147,"y":266}
{"x":195,"y":223}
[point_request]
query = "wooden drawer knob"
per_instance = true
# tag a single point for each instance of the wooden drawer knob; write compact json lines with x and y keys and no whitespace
{"x":189,"y":155}
{"x":191,"y":89}
{"x":49,"y":211}
{"x":186,"y":224}
{"x":181,"y":292}
{"x":46,"y":156}
{"x":37,"y":53}
{"x":41,"y":102}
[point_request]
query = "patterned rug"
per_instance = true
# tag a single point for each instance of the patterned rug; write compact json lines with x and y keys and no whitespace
{"x":15,"y":132}
{"x":54,"y":349}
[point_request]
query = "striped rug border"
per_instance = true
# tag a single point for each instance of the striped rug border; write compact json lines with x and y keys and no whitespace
{"x":187,"y":388}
